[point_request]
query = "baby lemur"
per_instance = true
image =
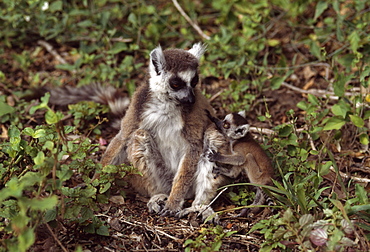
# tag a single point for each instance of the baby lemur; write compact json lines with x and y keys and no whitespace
{"x":230,"y":150}
{"x":162,"y":131}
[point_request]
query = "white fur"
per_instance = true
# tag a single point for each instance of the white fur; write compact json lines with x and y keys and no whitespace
{"x":157,"y":53}
{"x":187,"y":76}
{"x":204,"y":181}
{"x":242,"y":113}
{"x":198,"y":50}
{"x":164,"y":122}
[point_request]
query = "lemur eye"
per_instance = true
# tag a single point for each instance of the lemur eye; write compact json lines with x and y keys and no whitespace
{"x":226,"y":125}
{"x":176,"y":83}
{"x":194,"y":81}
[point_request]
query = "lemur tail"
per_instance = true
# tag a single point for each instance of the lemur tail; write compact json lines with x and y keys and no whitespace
{"x":117,"y":101}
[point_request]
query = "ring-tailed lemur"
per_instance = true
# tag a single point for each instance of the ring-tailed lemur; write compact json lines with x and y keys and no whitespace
{"x":162,"y":131}
{"x":230,"y":150}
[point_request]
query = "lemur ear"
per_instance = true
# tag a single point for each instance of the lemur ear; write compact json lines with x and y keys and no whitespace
{"x":241,"y":131}
{"x":242,"y":113}
{"x":157,"y":61}
{"x":198,"y":50}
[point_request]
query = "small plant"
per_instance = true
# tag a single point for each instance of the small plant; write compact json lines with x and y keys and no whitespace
{"x":327,"y":230}
{"x":36,"y":171}
{"x":209,"y":239}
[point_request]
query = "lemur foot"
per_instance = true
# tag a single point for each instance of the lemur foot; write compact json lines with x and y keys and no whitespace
{"x":157,"y":202}
{"x":206,"y":212}
{"x":171,"y":208}
{"x":250,"y":212}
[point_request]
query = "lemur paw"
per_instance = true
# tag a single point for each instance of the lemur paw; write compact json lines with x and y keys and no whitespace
{"x":142,"y":135}
{"x":213,"y":156}
{"x":171,"y":208}
{"x":206,"y":212}
{"x":157,"y":203}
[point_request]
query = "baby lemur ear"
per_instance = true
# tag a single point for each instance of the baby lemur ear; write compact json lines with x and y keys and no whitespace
{"x":241,"y":131}
{"x":157,"y":62}
{"x":198,"y":50}
{"x":242,"y":113}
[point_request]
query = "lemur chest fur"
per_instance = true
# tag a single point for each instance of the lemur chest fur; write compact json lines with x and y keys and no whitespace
{"x":164,"y":121}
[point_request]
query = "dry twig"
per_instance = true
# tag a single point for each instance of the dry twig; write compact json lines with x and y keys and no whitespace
{"x":317,"y":92}
{"x":152,"y":229}
{"x":343,"y":175}
{"x":51,"y":50}
{"x":195,"y":26}
{"x":56,"y":238}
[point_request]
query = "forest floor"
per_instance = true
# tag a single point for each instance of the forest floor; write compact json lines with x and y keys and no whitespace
{"x":133,"y":228}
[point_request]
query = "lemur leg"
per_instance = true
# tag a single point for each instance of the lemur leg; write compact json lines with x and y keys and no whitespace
{"x":206,"y":186}
{"x":115,"y":153}
{"x":154,"y":181}
{"x":255,"y":175}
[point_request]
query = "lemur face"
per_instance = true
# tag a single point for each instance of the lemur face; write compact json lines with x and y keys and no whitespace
{"x":234,"y":126}
{"x":174,"y":73}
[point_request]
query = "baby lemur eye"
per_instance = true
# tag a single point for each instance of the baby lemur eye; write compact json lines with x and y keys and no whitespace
{"x":194,"y":81}
{"x":176,"y":83}
{"x":226,"y":125}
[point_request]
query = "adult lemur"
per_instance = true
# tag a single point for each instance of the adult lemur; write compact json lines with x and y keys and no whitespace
{"x":162,"y":131}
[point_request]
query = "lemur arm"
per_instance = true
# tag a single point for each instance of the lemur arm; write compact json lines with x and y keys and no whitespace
{"x":234,"y":159}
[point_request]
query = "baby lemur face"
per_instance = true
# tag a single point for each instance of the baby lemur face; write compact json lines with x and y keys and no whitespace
{"x":174,"y":73}
{"x":234,"y":126}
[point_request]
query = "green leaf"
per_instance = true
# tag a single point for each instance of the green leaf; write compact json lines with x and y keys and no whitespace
{"x":276,"y":82}
{"x":105,"y":187}
{"x":39,"y":133}
{"x":43,"y":204}
{"x":320,"y":8}
{"x":361,"y":194}
{"x":216,"y":245}
{"x":48,"y":145}
{"x":364,"y":139}
{"x":285,"y":131}
{"x":6,"y":109}
{"x":50,"y":215}
{"x":306,"y":219}
{"x":313,"y":99}
{"x":28,"y":131}
{"x":26,"y":239}
{"x":86,"y":213}
{"x":52,"y":117}
{"x":103,"y":230}
{"x":43,"y":104}
{"x":338,"y":110}
{"x":118,"y":47}
{"x":354,"y":39}
{"x":40,"y":158}
{"x":132,"y":19}
{"x":325,"y":168}
{"x":334,"y":123}
{"x":56,"y":6}
{"x":357,"y":121}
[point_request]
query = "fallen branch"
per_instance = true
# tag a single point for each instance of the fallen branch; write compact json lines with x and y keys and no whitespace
{"x":343,"y":175}
{"x":51,"y":50}
{"x":317,"y":92}
{"x":154,"y":230}
{"x":195,"y":26}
